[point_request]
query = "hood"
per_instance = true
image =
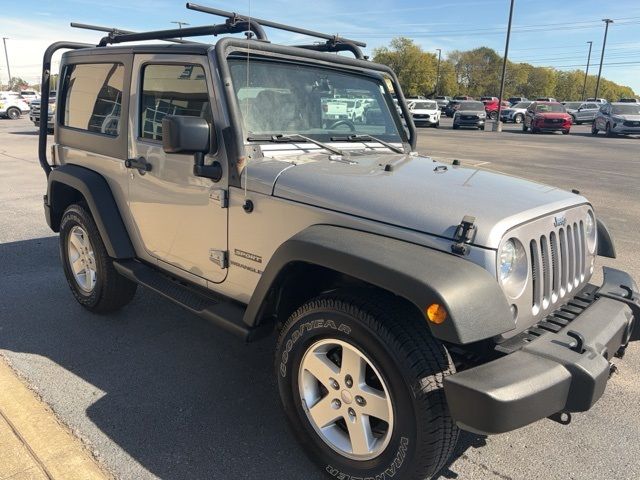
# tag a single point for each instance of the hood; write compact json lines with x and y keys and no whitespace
{"x":471,"y":112}
{"x":553,"y":115}
{"x":631,"y":118}
{"x":418,"y":194}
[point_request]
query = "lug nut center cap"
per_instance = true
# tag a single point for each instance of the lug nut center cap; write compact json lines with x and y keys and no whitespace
{"x":347,"y":397}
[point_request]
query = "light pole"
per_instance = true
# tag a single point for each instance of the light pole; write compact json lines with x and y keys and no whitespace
{"x":498,"y":124}
{"x":586,"y":73}
{"x":180,"y":24}
{"x":606,"y":21}
{"x":6,"y":56}
{"x":438,"y":69}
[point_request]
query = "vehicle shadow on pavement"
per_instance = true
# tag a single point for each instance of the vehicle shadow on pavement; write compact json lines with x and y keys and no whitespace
{"x":35,"y":133}
{"x":182,"y":398}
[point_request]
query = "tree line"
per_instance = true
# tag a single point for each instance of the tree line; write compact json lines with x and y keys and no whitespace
{"x":478,"y":72}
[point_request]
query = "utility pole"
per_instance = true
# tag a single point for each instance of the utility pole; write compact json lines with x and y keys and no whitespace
{"x":498,"y":124}
{"x":438,"y":69}
{"x":586,"y":73}
{"x":6,"y":56}
{"x":180,"y":24}
{"x":606,"y":21}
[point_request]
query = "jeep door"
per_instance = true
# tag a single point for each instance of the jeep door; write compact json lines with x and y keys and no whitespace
{"x":181,"y":219}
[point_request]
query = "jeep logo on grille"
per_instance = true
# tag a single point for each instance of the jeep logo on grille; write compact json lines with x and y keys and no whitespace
{"x":559,"y":221}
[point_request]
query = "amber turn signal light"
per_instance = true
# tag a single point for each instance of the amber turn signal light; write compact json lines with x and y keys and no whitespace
{"x":436,"y":313}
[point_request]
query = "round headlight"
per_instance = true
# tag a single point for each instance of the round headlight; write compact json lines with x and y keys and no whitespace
{"x":513,"y":267}
{"x":590,"y":231}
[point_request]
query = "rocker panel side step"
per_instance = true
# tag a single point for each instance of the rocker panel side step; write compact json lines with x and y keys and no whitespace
{"x":220,"y":311}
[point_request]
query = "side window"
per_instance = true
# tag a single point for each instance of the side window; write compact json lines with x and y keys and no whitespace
{"x":592,"y":106}
{"x":171,"y":90}
{"x":92,"y":97}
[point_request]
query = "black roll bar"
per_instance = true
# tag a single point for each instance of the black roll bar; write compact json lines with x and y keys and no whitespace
{"x":44,"y":97}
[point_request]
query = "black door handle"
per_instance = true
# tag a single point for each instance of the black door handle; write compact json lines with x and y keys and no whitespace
{"x":139,"y":164}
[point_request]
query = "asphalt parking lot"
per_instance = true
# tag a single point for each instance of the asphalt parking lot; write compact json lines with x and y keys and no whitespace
{"x":158,"y":393}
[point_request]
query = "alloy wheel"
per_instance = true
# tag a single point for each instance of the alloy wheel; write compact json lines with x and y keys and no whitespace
{"x":82,"y":259}
{"x":346,"y":399}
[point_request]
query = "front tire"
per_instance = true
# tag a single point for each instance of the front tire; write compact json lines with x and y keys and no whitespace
{"x":361,"y":381}
{"x":93,"y":280}
{"x":594,"y":129}
{"x":517,"y":118}
{"x":608,"y":132}
{"x":13,"y":113}
{"x":524,"y":127}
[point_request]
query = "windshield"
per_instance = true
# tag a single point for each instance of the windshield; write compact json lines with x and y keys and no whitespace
{"x":573,"y":105}
{"x":630,"y":109}
{"x":423,"y":106}
{"x":473,"y":106}
{"x":286,"y":98}
{"x":550,"y":107}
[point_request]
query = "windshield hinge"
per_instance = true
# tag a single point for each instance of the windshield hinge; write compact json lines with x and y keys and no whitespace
{"x":219,"y":196}
{"x":465,"y":233}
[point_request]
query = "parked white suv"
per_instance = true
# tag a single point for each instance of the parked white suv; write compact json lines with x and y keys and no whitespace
{"x":12,"y":105}
{"x":29,"y":95}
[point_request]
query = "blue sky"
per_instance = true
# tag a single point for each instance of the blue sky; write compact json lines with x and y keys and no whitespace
{"x":546,"y":32}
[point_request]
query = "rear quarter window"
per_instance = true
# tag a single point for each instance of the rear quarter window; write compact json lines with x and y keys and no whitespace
{"x":92,"y":97}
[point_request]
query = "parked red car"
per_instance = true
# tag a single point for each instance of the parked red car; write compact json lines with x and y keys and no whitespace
{"x":491,"y":107}
{"x":547,"y":117}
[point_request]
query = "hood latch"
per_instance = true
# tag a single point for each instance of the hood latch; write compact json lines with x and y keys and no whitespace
{"x":465,"y":233}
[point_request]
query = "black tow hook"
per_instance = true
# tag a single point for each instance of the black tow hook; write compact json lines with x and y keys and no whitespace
{"x":563,"y":418}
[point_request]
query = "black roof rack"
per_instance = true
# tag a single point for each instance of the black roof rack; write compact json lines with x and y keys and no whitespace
{"x":334,"y":43}
{"x":118,"y":31}
{"x":235,"y":23}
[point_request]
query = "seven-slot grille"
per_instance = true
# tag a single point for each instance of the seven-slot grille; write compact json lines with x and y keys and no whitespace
{"x":558,"y":264}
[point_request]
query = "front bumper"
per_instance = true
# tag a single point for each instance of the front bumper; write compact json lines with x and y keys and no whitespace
{"x":621,"y":129}
{"x":565,"y":369}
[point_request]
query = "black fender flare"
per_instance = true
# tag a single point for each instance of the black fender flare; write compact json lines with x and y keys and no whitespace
{"x":606,"y":248}
{"x":66,"y":179}
{"x":477,"y":309}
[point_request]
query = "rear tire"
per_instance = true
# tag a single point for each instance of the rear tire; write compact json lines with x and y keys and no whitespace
{"x":524,"y":127}
{"x":437,"y":124}
{"x":456,"y":127}
{"x":403,"y":370}
{"x":493,"y":115}
{"x":93,"y":280}
{"x":13,"y":113}
{"x":517,"y":118}
{"x":565,"y":132}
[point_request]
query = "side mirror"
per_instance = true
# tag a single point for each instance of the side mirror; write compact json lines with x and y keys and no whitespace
{"x":190,"y":135}
{"x":182,"y":134}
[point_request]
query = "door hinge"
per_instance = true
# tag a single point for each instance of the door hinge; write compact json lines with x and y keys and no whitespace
{"x":219,"y":196}
{"x":219,"y":257}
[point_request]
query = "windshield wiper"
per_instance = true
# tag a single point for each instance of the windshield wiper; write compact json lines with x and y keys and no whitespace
{"x":296,"y":137}
{"x":360,"y":138}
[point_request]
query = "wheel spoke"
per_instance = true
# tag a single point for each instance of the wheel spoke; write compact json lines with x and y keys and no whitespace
{"x":76,"y":241}
{"x":323,"y":413}
{"x":352,"y":364}
{"x":77,"y":266}
{"x":318,"y":365}
{"x":377,"y":404}
{"x":360,"y":435}
{"x":88,"y":278}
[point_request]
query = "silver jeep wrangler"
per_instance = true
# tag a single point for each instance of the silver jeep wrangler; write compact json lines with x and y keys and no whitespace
{"x":411,"y":298}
